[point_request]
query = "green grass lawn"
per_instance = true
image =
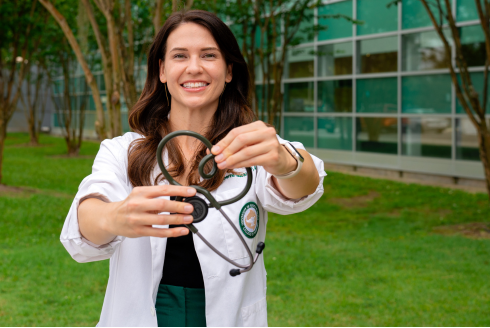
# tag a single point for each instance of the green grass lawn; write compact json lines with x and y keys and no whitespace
{"x":364,"y":255}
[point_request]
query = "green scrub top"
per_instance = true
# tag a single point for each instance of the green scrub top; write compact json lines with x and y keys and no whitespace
{"x":180,"y":306}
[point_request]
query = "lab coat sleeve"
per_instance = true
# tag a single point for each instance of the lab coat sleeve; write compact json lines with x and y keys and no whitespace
{"x":108,"y":182}
{"x":273,"y":201}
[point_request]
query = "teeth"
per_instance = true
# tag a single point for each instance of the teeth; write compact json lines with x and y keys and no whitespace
{"x":194,"y":84}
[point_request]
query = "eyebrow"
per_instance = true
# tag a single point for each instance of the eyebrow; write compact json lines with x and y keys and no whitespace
{"x":203,"y":49}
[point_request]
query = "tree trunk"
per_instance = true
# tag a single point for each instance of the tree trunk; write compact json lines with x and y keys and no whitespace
{"x":100,"y":122}
{"x":484,"y":138}
{"x":3,"y":134}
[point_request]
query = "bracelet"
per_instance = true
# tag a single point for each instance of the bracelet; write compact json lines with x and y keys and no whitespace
{"x":299,"y":161}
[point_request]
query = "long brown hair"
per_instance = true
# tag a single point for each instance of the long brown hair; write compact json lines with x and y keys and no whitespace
{"x":149,"y":116}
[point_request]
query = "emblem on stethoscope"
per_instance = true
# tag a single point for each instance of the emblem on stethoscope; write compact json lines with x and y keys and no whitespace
{"x":251,"y":214}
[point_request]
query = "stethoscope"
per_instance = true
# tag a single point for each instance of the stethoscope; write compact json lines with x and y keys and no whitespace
{"x":201,"y":207}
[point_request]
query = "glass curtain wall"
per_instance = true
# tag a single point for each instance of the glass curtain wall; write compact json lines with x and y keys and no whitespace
{"x":383,"y":86}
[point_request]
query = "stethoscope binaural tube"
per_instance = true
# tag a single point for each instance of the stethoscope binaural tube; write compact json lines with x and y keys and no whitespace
{"x":200,"y":206}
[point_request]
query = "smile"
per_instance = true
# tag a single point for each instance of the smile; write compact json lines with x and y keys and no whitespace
{"x":194,"y":85}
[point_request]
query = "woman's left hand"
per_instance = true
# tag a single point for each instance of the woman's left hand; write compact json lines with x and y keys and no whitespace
{"x":253,"y":144}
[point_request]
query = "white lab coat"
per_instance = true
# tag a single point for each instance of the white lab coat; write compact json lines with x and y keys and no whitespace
{"x":136,"y":263}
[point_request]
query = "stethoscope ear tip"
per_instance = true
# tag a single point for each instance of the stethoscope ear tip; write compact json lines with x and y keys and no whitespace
{"x":260,"y":247}
{"x":234,"y":272}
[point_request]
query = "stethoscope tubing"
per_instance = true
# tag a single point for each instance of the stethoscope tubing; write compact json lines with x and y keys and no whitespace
{"x":211,"y":199}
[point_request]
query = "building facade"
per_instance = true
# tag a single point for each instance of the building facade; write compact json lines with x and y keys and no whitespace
{"x":377,"y":94}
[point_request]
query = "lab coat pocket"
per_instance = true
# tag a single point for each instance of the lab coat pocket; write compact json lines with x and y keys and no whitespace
{"x":245,"y":216}
{"x":255,"y":315}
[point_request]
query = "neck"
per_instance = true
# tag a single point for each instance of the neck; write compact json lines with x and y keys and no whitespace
{"x":193,"y":119}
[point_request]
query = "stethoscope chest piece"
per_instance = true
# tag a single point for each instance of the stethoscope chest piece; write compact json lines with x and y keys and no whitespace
{"x":200,"y":208}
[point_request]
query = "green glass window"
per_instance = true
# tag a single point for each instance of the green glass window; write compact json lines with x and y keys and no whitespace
{"x":423,"y":51}
{"x":258,"y":34}
{"x":260,"y":90}
{"x":426,"y":136}
{"x":91,"y":103}
{"x":426,"y":94}
{"x":466,"y":10}
{"x":377,"y":17}
{"x":467,"y":146}
{"x":299,"y":129}
{"x":477,"y":79}
{"x":336,"y":27}
{"x":300,"y":63}
{"x":73,"y":85}
{"x":377,"y":135}
{"x":298,"y":97}
{"x":378,"y":55}
{"x":335,"y":96}
{"x":101,"y":82}
{"x":334,"y":133}
{"x":415,"y":15}
{"x":305,"y":32}
{"x":335,"y":59}
{"x":58,"y":87}
{"x":377,"y":95}
{"x":473,"y":45}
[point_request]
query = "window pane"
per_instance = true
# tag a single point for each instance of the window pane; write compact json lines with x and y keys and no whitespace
{"x":415,"y":15}
{"x":377,"y":134}
{"x":377,"y":17}
{"x":305,"y":32}
{"x":336,"y":27}
{"x":466,"y":10}
{"x":426,"y":136}
{"x":473,"y":45}
{"x":101,"y":82}
{"x":335,"y":96}
{"x":91,"y":102}
{"x":298,"y":97}
{"x":423,"y":51}
{"x":378,"y":55}
{"x":377,"y":95}
{"x":73,"y":84}
{"x":299,"y":129}
{"x":477,"y":79}
{"x":467,"y":146}
{"x":335,"y":133}
{"x":260,"y":90}
{"x":335,"y":59}
{"x":300,"y":63}
{"x":426,"y":94}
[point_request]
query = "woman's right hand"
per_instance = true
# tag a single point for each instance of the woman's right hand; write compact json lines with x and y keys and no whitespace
{"x":134,"y":217}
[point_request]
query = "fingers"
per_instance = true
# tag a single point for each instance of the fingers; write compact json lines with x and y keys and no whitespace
{"x":246,"y":154}
{"x":241,"y":141}
{"x":163,"y":233}
{"x":164,"y":190}
{"x":164,"y":219}
{"x":226,"y":141}
{"x":158,"y":205}
{"x":249,"y":162}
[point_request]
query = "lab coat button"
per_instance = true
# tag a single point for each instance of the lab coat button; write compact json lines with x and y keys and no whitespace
{"x":152,"y":309}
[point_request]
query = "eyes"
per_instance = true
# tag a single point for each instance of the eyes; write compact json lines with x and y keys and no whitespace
{"x":207,"y":55}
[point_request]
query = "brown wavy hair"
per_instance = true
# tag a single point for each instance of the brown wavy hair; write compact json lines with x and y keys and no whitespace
{"x":149,"y":116}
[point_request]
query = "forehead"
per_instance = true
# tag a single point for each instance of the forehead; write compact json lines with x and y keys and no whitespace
{"x":190,"y":36}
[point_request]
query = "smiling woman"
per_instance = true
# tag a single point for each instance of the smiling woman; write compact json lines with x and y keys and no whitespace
{"x":127,"y":211}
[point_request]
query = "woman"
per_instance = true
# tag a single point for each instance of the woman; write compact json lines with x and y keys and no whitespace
{"x":159,"y":274}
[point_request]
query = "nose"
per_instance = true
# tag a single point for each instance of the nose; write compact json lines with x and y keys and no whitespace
{"x":194,"y":66}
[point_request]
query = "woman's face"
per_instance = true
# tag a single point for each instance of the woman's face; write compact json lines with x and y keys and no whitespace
{"x":194,"y":69}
